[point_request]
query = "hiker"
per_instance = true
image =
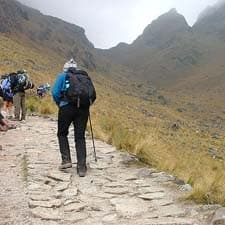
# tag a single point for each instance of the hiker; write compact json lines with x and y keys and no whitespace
{"x":7,"y":95}
{"x":43,"y":89}
{"x":73,"y":108}
{"x":4,"y":124}
{"x":19,"y":86}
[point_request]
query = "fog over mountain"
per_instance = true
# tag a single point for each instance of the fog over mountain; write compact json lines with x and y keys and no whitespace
{"x":211,"y":9}
{"x":109,"y":22}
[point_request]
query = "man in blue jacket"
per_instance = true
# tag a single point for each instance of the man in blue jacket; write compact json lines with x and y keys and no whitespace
{"x":68,"y":114}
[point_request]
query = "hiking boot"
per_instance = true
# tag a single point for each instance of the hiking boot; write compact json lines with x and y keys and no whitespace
{"x":81,"y":170}
{"x":64,"y":166}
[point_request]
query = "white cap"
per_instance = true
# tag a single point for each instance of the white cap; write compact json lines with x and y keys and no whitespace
{"x":70,"y":64}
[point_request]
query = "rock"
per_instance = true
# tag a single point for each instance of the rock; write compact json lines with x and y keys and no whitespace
{"x":59,"y":176}
{"x":110,"y":218}
{"x":104,"y":195}
{"x":162,"y":177}
{"x":130,"y":207}
{"x":162,"y":100}
{"x":205,"y":208}
{"x":33,"y":187}
{"x":162,"y":221}
{"x":70,"y":193}
{"x":146,"y":190}
{"x":117,"y":191}
{"x":13,"y":166}
{"x":152,"y":196}
{"x":215,"y":136}
{"x":46,"y":214}
{"x":130,"y":177}
{"x":108,"y":150}
{"x":186,"y":188}
{"x":100,"y":165}
{"x":212,"y":151}
{"x":70,"y":201}
{"x":56,"y":203}
{"x":175,"y":125}
{"x":145,"y":172}
{"x":167,"y":211}
{"x":179,"y":181}
{"x":62,"y":186}
{"x":128,"y":158}
{"x":40,"y":197}
{"x":114,"y":185}
{"x":55,"y":194}
{"x":75,"y":217}
{"x":181,"y":109}
{"x":77,"y":207}
{"x":219,"y":217}
{"x":1,"y":148}
{"x":162,"y":202}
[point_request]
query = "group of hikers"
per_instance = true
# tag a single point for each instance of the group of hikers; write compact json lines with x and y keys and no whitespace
{"x":12,"y":92}
{"x":73,"y":93}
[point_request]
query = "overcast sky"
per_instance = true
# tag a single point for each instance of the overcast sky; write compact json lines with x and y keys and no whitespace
{"x":108,"y":22}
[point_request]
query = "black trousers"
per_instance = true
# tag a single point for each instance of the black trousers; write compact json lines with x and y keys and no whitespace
{"x":70,"y":114}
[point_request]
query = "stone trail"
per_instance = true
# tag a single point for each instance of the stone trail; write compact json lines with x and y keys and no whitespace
{"x":116,"y":190}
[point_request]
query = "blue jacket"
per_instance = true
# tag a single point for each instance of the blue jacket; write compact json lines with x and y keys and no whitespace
{"x":58,"y":88}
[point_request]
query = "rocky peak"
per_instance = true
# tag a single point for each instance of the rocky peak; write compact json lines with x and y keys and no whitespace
{"x":163,"y":28}
{"x":212,"y":21}
{"x":11,"y":14}
{"x":211,"y":10}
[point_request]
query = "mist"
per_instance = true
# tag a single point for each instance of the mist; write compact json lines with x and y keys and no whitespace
{"x":107,"y":23}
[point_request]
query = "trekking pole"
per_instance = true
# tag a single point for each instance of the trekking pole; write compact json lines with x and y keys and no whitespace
{"x":92,"y":138}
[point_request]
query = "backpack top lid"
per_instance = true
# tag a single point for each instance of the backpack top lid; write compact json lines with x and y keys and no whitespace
{"x":76,"y":71}
{"x":22,"y":76}
{"x":21,"y":71}
{"x":70,"y":64}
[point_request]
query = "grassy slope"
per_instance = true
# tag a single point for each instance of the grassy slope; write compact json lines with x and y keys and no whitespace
{"x":141,"y":127}
{"x":124,"y":121}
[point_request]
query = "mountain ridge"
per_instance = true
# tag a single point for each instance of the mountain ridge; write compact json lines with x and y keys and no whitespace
{"x":64,"y":38}
{"x":174,"y":56}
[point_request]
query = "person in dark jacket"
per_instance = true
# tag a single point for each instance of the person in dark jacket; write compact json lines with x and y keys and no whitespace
{"x":68,"y":114}
{"x":20,"y":85}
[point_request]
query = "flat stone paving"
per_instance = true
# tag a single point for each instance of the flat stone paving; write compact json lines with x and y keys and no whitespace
{"x":116,"y":190}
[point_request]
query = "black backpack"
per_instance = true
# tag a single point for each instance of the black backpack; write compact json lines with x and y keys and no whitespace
{"x":80,"y":90}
